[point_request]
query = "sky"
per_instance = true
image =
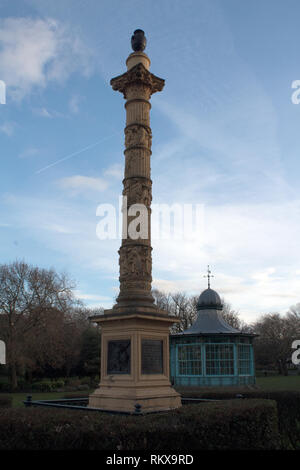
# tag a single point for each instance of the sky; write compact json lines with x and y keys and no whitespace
{"x":225,"y":136}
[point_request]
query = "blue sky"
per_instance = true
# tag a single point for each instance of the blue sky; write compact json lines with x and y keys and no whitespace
{"x":225,"y":135}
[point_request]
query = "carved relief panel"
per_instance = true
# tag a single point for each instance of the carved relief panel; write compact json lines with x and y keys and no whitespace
{"x":135,"y":262}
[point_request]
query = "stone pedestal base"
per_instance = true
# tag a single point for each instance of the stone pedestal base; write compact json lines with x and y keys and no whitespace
{"x":156,"y":399}
{"x":135,"y":363}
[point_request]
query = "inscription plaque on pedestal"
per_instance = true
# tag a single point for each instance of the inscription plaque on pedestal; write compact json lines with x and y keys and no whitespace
{"x":152,"y":356}
{"x":118,"y":357}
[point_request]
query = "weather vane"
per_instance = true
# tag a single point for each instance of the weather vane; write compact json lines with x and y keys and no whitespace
{"x":208,"y":275}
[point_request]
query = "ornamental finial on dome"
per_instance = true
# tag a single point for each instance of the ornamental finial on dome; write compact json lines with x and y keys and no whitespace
{"x":208,"y":275}
{"x":209,"y":298}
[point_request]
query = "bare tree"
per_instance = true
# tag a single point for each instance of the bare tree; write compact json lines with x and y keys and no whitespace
{"x":232,"y":317}
{"x":184,"y":307}
{"x":276,"y":334}
{"x":179,"y":305}
{"x":294,"y":313}
{"x":27,"y":295}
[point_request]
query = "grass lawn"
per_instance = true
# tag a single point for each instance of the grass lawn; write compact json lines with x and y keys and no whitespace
{"x":291,"y":382}
{"x":279,"y":382}
{"x":18,"y":398}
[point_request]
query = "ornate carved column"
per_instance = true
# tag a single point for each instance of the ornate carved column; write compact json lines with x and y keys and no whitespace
{"x":137,"y":86}
{"x":135,"y":333}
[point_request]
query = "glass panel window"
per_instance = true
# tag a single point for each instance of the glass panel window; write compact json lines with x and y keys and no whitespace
{"x":219,"y":359}
{"x":244,"y":359}
{"x":189,"y":359}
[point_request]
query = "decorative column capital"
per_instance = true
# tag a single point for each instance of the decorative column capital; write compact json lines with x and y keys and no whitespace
{"x":137,"y":75}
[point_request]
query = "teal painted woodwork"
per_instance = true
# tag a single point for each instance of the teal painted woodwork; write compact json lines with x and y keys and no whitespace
{"x":211,"y":352}
{"x":222,"y":361}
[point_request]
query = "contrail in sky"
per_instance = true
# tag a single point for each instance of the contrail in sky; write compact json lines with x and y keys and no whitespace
{"x":76,"y":153}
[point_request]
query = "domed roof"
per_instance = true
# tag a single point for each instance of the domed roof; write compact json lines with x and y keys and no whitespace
{"x":210,"y":319}
{"x":209,"y":299}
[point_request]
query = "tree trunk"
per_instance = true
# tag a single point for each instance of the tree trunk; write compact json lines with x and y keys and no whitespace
{"x":13,"y":376}
{"x":282,"y":369}
{"x":12,"y":362}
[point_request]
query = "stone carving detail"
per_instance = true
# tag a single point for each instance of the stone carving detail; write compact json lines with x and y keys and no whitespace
{"x":138,"y":91}
{"x":135,"y":262}
{"x":137,"y":191}
{"x":138,"y":135}
{"x":131,"y":162}
{"x":127,"y":286}
{"x":137,"y":75}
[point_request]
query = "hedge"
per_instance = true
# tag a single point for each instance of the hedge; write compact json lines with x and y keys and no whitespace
{"x":5,"y":401}
{"x":288,"y":407}
{"x":231,"y":424}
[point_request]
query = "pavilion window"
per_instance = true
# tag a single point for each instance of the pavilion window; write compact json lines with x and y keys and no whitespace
{"x":189,"y":359}
{"x":219,"y":359}
{"x":244,"y":359}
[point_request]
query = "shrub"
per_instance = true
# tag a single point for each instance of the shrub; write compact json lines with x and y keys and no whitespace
{"x":59,"y":383}
{"x":73,"y":382}
{"x":42,"y":386}
{"x":85,"y":381}
{"x":288,"y":406}
{"x":235,"y":424}
{"x":83,"y":387}
{"x":69,"y":388}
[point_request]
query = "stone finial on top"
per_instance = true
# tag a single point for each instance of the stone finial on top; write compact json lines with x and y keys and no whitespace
{"x":138,"y":40}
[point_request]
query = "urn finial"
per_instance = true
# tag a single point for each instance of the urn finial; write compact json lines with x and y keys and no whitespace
{"x":138,"y":40}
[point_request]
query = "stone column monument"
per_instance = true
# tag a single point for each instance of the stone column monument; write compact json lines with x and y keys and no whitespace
{"x":135,"y":333}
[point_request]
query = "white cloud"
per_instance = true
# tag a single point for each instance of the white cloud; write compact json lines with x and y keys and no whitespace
{"x":74,"y":104}
{"x":43,"y":112}
{"x":36,"y":51}
{"x":48,"y":113}
{"x":7,"y":128}
{"x":83,"y":296}
{"x":79,"y":183}
{"x":258,"y":241}
{"x":116,"y":171}
{"x":58,"y":228}
{"x":252,"y":249}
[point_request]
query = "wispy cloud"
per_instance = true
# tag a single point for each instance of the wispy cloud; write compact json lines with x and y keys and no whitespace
{"x":43,"y":112}
{"x":29,"y":152}
{"x":7,"y":128}
{"x":116,"y":171}
{"x":83,"y":296}
{"x":79,"y":183}
{"x":36,"y":51}
{"x":59,"y":228}
{"x":255,"y":257}
{"x":74,"y":103}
